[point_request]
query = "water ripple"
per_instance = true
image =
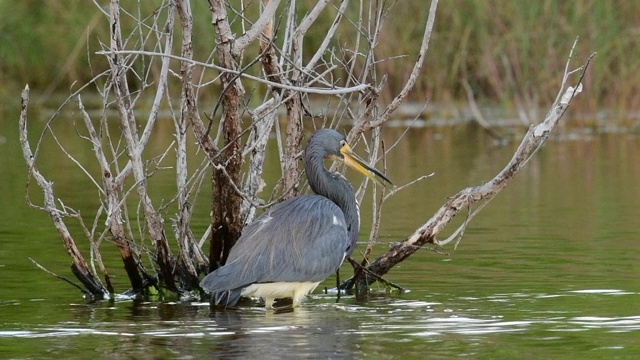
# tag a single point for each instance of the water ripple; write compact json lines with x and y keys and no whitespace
{"x":613,"y":324}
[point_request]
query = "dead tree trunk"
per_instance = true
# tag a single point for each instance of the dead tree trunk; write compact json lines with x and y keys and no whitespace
{"x":191,"y":256}
{"x":226,"y":222}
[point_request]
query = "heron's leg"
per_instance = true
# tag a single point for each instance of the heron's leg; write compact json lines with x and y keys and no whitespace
{"x":268,"y":302}
{"x":338,"y":283}
{"x":297,"y":298}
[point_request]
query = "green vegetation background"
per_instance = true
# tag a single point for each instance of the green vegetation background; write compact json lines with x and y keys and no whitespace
{"x":502,"y":48}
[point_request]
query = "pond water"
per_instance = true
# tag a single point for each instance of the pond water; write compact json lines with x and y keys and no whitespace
{"x":549,"y":269}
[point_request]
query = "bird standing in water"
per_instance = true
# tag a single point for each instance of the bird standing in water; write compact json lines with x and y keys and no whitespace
{"x":296,"y":244}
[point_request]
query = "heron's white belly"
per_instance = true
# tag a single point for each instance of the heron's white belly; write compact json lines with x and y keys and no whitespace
{"x":280,"y":290}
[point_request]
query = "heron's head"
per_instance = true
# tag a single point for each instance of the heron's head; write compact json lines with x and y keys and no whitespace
{"x":334,"y":146}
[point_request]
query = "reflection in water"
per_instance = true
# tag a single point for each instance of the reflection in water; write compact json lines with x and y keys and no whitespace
{"x":139,"y":327}
{"x":302,"y":333}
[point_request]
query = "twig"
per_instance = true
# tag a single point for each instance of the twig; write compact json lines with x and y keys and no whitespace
{"x":85,"y":292}
{"x":477,"y":114}
{"x":421,"y":247}
{"x":417,"y":67}
{"x":379,"y":278}
{"x":327,"y":39}
{"x":402,"y":187}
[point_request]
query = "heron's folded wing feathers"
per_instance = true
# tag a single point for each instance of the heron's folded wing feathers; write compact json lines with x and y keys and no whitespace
{"x":301,"y":239}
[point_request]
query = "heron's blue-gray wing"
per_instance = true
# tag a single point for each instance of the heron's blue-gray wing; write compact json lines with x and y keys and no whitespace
{"x":301,"y":239}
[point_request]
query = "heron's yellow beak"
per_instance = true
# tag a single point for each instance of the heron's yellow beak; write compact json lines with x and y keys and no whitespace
{"x":356,"y":162}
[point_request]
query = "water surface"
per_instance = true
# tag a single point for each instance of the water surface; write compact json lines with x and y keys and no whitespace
{"x":549,"y":269}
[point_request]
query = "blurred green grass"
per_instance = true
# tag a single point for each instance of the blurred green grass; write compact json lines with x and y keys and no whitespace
{"x":504,"y":49}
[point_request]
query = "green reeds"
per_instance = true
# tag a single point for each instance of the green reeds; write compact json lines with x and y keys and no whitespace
{"x":505,"y":50}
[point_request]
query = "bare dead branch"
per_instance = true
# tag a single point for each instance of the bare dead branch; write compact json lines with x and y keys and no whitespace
{"x":153,"y":220}
{"x":263,"y":118}
{"x":417,"y":67}
{"x":362,"y":271}
{"x":79,"y":266}
{"x":477,"y":114}
{"x":162,"y":78}
{"x":465,"y":199}
{"x":327,"y":39}
{"x":252,"y":34}
{"x":65,"y":279}
{"x":404,"y":186}
{"x":190,"y":253}
{"x":114,"y":206}
{"x":334,"y":90}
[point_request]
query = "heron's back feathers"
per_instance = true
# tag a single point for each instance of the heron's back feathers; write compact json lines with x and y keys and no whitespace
{"x":303,"y":239}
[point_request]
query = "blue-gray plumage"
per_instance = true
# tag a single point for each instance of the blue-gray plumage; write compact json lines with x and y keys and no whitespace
{"x":292,"y":247}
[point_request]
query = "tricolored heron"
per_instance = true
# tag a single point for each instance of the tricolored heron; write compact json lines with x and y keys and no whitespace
{"x":292,"y":247}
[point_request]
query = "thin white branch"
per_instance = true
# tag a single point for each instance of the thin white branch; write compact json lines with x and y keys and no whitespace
{"x":417,"y":67}
{"x":162,"y":80}
{"x":402,"y":187}
{"x":252,"y":34}
{"x":263,"y":118}
{"x":327,"y":39}
{"x":298,"y":36}
{"x":302,"y":89}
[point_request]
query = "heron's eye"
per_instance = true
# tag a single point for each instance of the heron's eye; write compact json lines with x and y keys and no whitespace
{"x":342,"y":143}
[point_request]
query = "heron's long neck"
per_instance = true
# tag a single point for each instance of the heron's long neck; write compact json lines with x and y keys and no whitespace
{"x":337,"y":189}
